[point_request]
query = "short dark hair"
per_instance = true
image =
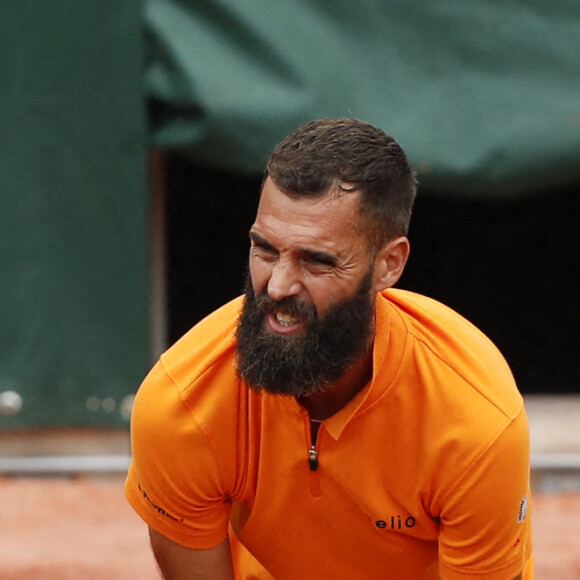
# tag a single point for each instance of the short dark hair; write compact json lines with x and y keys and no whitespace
{"x":355,"y":156}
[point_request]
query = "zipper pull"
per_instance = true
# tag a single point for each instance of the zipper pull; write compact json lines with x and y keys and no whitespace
{"x":313,"y":458}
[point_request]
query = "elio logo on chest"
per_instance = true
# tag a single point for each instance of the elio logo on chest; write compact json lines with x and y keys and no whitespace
{"x":396,"y":522}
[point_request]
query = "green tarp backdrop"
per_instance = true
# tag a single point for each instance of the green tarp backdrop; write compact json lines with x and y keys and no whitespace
{"x":73,"y":212}
{"x":484,"y":95}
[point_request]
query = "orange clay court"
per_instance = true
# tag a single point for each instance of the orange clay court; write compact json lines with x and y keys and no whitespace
{"x":83,"y":528}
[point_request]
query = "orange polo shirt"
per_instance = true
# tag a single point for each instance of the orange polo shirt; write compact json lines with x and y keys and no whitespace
{"x":423,"y":475}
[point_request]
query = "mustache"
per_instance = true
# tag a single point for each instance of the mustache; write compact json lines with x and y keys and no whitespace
{"x":289,"y":305}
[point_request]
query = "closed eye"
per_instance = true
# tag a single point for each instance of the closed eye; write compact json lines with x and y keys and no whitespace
{"x":319,"y":259}
{"x":311,"y":257}
{"x":322,"y":258}
{"x":321,"y":262}
{"x":259,"y":243}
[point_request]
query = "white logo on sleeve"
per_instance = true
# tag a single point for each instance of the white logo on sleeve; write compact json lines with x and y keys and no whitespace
{"x":522,"y":512}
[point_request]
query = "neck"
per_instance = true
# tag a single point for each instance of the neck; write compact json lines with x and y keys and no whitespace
{"x":326,"y":403}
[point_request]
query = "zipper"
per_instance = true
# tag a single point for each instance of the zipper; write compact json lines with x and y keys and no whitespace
{"x":313,"y":458}
{"x":313,"y":437}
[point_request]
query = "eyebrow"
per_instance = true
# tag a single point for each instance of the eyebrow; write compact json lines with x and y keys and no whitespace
{"x":315,"y":255}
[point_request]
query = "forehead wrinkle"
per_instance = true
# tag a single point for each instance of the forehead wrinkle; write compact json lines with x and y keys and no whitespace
{"x":328,"y":224}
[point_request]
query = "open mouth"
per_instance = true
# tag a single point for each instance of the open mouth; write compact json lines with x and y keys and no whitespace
{"x":286,"y":319}
{"x":284,"y":323}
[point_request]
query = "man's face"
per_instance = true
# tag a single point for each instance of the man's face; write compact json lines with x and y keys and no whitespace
{"x":309,"y":308}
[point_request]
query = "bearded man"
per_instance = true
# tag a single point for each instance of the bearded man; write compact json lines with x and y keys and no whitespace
{"x":327,"y":425}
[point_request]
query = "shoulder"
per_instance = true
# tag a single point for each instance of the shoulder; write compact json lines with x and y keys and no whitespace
{"x":194,"y":384}
{"x":189,"y":403}
{"x":209,"y":343}
{"x":450,"y":350}
{"x":428,"y":317}
{"x":455,"y":387}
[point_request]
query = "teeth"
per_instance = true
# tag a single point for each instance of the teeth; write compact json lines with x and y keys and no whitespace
{"x":286,"y":319}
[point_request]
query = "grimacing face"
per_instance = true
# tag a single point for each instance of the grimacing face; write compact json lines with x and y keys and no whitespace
{"x":307,"y":362}
{"x":309,"y":309}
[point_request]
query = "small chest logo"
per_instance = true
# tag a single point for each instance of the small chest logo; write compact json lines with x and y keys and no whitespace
{"x":396,"y":522}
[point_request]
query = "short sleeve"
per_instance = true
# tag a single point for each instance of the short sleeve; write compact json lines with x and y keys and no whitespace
{"x":174,"y":479}
{"x":485,"y":524}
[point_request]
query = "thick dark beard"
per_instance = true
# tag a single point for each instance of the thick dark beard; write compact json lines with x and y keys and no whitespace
{"x":307,"y":363}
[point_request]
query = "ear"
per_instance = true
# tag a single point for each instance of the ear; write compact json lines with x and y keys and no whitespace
{"x":390,"y":262}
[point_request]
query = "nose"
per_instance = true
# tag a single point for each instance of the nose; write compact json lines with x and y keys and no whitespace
{"x":284,"y":281}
